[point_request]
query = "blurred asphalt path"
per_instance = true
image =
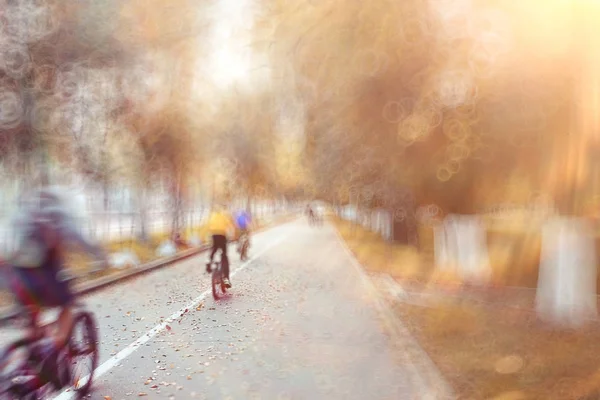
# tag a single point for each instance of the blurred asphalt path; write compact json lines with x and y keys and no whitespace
{"x":299,"y":324}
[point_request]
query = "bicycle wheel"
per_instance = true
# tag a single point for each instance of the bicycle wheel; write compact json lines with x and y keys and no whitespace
{"x":87,"y":349}
{"x":223,"y":287}
{"x":28,"y":387}
{"x":18,"y":378}
{"x":242,"y":249}
{"x":222,"y":282}
{"x":216,"y":281}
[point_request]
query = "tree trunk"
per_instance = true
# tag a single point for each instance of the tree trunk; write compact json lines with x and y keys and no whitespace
{"x":105,"y":192}
{"x":404,"y":223}
{"x":143,"y":214}
{"x":566,"y":289}
{"x":177,"y":201}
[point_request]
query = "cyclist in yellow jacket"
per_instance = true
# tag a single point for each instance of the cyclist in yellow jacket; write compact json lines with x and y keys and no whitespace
{"x":220,"y":223}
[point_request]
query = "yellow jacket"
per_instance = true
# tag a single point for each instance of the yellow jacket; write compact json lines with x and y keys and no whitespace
{"x":220,"y":223}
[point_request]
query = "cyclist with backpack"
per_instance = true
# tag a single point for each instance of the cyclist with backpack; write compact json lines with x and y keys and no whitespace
{"x":44,"y":228}
{"x":220,"y":223}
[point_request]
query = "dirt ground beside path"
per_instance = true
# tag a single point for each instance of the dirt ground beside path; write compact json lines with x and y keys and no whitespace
{"x":503,"y":353}
{"x":487,"y":343}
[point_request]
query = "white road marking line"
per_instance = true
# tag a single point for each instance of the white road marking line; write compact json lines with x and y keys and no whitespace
{"x":112,"y":362}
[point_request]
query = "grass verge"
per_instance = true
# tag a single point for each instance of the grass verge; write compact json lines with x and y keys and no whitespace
{"x":485,"y":351}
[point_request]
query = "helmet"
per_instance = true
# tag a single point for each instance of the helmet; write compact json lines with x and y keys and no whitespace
{"x":46,"y":205}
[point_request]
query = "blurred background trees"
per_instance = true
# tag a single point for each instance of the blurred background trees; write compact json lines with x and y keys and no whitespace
{"x":380,"y":104}
{"x":463,"y":104}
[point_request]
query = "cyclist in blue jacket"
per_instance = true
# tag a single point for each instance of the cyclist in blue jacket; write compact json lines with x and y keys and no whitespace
{"x":243,"y":222}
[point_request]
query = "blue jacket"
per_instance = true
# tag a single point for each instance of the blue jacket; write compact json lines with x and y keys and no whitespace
{"x":242,"y":220}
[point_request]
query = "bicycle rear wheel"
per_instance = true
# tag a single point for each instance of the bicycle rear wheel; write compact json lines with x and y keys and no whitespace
{"x":18,"y":378}
{"x":87,"y":348}
{"x":222,"y":275}
{"x":244,"y":251}
{"x":216,"y":281}
{"x":25,"y":388}
{"x":223,"y":287}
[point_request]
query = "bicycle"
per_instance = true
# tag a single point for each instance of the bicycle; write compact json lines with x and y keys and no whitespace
{"x":243,"y":245}
{"x":314,"y":220}
{"x":33,"y":377}
{"x":217,"y":279}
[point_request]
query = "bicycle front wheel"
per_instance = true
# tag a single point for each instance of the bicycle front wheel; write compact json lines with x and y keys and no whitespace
{"x":85,"y":348}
